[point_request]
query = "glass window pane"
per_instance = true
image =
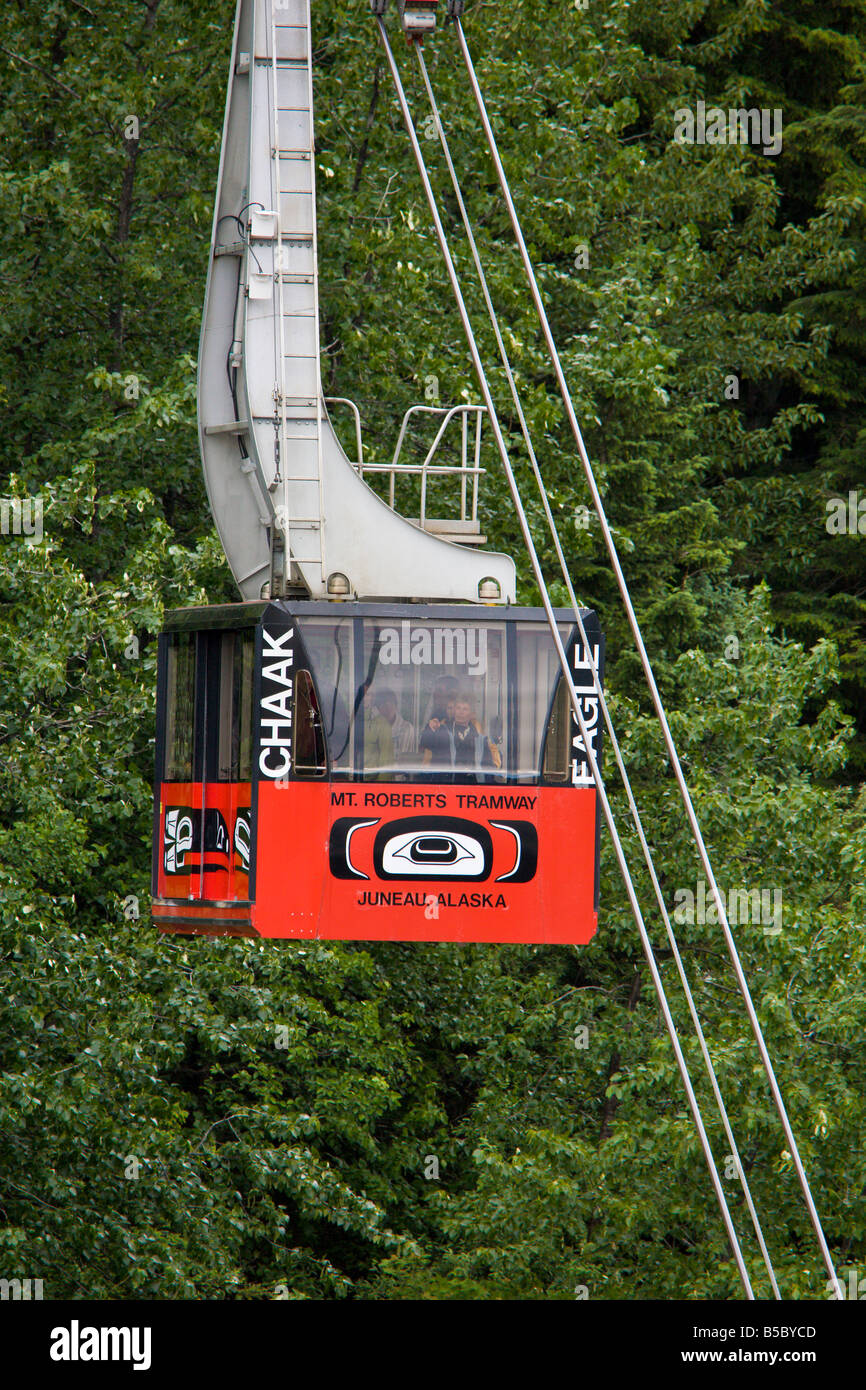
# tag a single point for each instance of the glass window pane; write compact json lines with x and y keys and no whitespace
{"x":543,"y":709}
{"x":236,"y":652}
{"x":309,"y":745}
{"x":245,"y":668}
{"x":180,"y":708}
{"x":227,"y":705}
{"x":557,"y":749}
{"x":330,"y":648}
{"x":433,"y":704}
{"x":458,"y":701}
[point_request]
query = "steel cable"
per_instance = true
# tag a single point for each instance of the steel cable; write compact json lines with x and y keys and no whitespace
{"x":647,"y":668}
{"x":647,"y":853}
{"x":573,"y":695}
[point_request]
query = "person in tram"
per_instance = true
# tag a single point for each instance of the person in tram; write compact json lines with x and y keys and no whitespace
{"x":472,"y":752}
{"x":378,"y":740}
{"x":435,"y":742}
{"x":402,"y":730}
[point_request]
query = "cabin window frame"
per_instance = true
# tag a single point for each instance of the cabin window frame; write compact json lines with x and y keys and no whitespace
{"x":352,"y":690}
{"x":173,"y":767}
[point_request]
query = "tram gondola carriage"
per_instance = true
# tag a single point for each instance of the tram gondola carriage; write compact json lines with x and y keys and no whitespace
{"x":374,"y":771}
{"x":375,"y":743}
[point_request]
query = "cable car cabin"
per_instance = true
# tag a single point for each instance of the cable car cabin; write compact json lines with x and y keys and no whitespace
{"x":369,"y":771}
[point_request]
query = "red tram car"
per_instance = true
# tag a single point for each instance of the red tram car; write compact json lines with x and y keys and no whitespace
{"x":375,"y":771}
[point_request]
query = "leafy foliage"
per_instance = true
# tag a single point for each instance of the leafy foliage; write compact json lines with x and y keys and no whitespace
{"x":226,"y":1119}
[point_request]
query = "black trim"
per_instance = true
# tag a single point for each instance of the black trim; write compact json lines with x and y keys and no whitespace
{"x":225,"y":615}
{"x":595,"y":637}
{"x":512,"y":713}
{"x":280,"y":610}
{"x":159,"y":757}
{"x":526,"y":837}
{"x":339,"y":861}
{"x":254,"y":760}
{"x":206,"y":902}
{"x":233,"y":924}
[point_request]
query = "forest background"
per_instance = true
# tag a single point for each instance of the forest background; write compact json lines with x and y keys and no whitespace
{"x":155,"y":1141}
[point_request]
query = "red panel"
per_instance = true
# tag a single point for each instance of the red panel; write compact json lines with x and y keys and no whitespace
{"x":385,"y":861}
{"x":221,"y":873}
{"x":291,"y":857}
{"x":378,"y":861}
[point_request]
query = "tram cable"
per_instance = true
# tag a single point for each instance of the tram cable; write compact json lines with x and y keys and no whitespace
{"x":603,"y":703}
{"x":647,"y":668}
{"x":654,"y":691}
{"x":567,"y":674}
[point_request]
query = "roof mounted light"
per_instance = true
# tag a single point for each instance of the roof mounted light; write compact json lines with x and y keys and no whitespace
{"x":338,"y":585}
{"x":489,"y":590}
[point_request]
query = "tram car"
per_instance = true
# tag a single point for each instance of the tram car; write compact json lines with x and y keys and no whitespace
{"x":375,"y":771}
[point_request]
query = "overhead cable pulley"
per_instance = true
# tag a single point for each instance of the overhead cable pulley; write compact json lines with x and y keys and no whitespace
{"x":417,"y":17}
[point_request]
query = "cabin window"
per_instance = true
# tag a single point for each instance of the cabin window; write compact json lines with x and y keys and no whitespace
{"x":414,"y":700}
{"x":543,"y":708}
{"x":557,"y":744}
{"x":309,"y":759}
{"x":331,"y":650}
{"x":432,"y":703}
{"x":236,"y":657}
{"x":180,"y":707}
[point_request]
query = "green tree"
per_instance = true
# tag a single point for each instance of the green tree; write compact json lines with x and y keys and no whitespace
{"x":230,"y":1119}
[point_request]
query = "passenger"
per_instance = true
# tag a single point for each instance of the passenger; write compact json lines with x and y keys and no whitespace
{"x":471,"y":750}
{"x":402,"y":731}
{"x":444,"y":691}
{"x":378,"y":740}
{"x":435,"y":742}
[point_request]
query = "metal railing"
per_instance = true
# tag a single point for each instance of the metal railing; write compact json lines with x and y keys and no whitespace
{"x":344,"y":400}
{"x":464,"y":469}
